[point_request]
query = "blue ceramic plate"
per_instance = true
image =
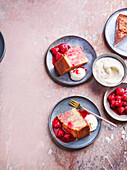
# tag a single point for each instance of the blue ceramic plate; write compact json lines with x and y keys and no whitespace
{"x":72,"y":41}
{"x":109,"y":32}
{"x":2,"y":47}
{"x":61,"y":107}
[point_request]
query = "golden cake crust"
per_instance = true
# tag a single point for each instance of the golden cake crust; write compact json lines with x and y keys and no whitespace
{"x":121,"y":28}
{"x":74,"y":123}
{"x":73,"y":58}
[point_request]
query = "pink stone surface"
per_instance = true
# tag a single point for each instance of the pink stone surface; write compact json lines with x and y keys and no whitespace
{"x":27,"y":94}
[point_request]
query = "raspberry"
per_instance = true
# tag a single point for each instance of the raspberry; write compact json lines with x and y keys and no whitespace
{"x":67,"y":136}
{"x":124,"y":97}
{"x":119,"y":91}
{"x":68,"y":46}
{"x":56,"y":124}
{"x":63,"y":47}
{"x":54,"y":50}
{"x":113,"y":104}
{"x":117,"y":97}
{"x":111,"y":97}
{"x":125,"y":109}
{"x":121,"y":110}
{"x":124,"y":103}
{"x":60,"y":133}
{"x":118,"y":103}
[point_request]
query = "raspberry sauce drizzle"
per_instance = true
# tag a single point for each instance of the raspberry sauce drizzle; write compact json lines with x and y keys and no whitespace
{"x":84,"y":113}
{"x":61,"y":133}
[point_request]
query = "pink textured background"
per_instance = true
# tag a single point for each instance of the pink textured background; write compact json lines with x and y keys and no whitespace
{"x":27,"y":94}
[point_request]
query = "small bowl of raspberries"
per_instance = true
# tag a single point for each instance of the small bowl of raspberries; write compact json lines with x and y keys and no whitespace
{"x":115,"y":102}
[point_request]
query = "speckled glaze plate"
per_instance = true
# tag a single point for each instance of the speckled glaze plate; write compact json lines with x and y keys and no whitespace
{"x":61,"y":107}
{"x":72,"y":41}
{"x":2,"y":46}
{"x":109,"y":33}
{"x":107,"y":106}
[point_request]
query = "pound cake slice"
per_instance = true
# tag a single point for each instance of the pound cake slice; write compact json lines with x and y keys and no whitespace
{"x":121,"y":28}
{"x":74,"y":123}
{"x":71,"y":59}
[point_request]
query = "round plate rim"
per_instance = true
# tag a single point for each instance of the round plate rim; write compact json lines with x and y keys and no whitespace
{"x":111,"y":55}
{"x":58,"y":142}
{"x":55,"y":78}
{"x":4,"y":48}
{"x":104,"y":103}
{"x":105,"y":30}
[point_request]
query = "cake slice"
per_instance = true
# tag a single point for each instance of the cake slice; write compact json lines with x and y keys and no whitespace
{"x":121,"y":28}
{"x":74,"y":123}
{"x":71,"y":59}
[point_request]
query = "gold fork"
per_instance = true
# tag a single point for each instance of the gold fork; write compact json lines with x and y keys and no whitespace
{"x":78,"y":106}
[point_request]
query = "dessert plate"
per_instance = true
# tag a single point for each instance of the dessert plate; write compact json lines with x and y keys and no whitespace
{"x":72,"y":41}
{"x":109,"y":33}
{"x":2,"y":47}
{"x":107,"y":106}
{"x":61,"y":107}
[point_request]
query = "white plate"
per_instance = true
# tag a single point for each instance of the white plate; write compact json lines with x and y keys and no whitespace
{"x":109,"y":32}
{"x":107,"y":106}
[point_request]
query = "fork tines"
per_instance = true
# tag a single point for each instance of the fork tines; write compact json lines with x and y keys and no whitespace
{"x":72,"y":101}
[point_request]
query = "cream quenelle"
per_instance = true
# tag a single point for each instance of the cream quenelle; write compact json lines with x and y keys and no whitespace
{"x":108,"y":71}
{"x":92,"y":122}
{"x":77,"y":73}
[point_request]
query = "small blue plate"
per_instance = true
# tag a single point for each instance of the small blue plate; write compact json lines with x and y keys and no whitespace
{"x":72,"y":41}
{"x":2,"y":46}
{"x":61,"y":107}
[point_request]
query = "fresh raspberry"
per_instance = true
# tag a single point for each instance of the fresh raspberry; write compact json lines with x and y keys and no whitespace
{"x":111,"y":97}
{"x":54,"y":50}
{"x":113,"y":104}
{"x":124,"y":103}
{"x":124,"y":97}
{"x":119,"y":91}
{"x":118,"y":103}
{"x":60,"y":133}
{"x":67,"y":136}
{"x":68,"y":46}
{"x":121,"y":110}
{"x":56,"y":124}
{"x":117,"y":97}
{"x":63,"y":47}
{"x":125,"y":109}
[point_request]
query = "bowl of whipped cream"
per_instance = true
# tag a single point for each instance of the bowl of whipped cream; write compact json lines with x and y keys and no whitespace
{"x":109,"y":70}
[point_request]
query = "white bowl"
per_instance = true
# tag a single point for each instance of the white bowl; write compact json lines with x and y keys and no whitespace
{"x":107,"y":106}
{"x":114,"y":56}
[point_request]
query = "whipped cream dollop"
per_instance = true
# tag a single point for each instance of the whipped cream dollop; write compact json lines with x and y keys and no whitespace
{"x":92,"y":122}
{"x":77,"y":73}
{"x":108,"y":71}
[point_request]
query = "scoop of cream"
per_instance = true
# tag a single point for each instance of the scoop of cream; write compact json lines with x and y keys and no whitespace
{"x":108,"y":71}
{"x":92,"y":122}
{"x":77,"y":73}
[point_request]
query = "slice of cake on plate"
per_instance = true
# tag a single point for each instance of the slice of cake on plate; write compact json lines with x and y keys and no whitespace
{"x":121,"y":28}
{"x":74,"y":123}
{"x":71,"y":59}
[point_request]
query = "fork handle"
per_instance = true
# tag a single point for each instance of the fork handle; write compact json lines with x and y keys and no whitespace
{"x":100,"y":117}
